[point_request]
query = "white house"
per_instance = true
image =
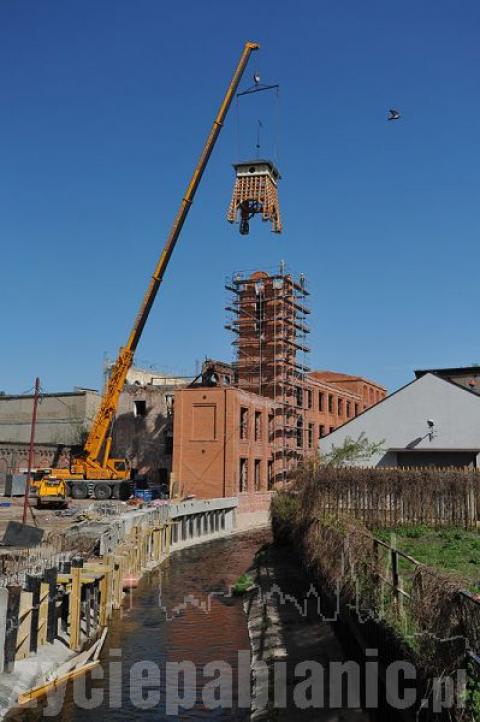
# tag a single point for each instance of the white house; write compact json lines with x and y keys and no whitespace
{"x":431,"y":421}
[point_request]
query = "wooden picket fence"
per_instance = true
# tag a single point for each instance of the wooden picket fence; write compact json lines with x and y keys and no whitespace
{"x":398,"y":496}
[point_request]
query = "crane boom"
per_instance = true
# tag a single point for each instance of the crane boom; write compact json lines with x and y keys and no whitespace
{"x":89,"y":464}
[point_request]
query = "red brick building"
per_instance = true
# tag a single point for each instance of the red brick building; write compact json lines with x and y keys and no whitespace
{"x":369,"y":392}
{"x":243,"y":427}
{"x":222,"y":442}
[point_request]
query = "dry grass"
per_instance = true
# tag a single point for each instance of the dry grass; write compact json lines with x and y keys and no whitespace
{"x":435,"y":627}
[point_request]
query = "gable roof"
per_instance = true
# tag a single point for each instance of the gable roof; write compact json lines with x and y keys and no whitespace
{"x":418,"y":379}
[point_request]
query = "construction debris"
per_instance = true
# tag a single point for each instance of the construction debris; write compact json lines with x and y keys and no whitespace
{"x":21,"y":535}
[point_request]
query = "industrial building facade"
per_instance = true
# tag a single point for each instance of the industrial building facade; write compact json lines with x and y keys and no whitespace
{"x":62,"y":424}
{"x":228,"y":440}
{"x":222,"y":442}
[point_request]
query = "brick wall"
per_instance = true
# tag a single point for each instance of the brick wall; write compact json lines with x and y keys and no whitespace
{"x":221,"y":442}
{"x":14,"y":458}
{"x":252,"y":503}
{"x":143,"y":429}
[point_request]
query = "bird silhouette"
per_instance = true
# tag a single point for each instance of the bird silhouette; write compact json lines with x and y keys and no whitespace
{"x":393,"y":114}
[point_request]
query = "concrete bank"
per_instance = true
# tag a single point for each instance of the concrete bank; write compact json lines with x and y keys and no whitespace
{"x":49,"y":614}
{"x":286,"y":629}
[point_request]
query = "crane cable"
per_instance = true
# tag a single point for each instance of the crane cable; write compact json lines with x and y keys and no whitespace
{"x":257,"y":88}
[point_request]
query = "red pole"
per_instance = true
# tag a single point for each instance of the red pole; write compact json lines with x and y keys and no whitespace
{"x":31,"y":450}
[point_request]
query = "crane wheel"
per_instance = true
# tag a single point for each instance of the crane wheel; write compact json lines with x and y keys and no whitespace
{"x":79,"y":491}
{"x":102,"y":492}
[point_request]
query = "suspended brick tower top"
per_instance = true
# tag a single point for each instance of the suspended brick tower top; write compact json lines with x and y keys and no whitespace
{"x":255,"y":191}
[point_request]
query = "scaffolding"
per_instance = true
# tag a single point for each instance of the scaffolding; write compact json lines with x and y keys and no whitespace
{"x":268,"y":317}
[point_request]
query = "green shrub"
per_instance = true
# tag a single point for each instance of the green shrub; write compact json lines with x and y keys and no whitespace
{"x":283,"y":512}
{"x":243,"y":584}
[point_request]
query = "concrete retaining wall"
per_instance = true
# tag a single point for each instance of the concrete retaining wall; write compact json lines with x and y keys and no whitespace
{"x":192,"y":522}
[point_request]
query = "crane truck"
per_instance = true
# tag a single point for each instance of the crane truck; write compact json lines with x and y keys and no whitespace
{"x":94,"y":470}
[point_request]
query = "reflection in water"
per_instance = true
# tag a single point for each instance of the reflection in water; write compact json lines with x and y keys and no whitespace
{"x":180,"y":613}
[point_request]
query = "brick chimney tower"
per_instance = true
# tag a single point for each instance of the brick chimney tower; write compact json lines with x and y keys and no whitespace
{"x":268,"y":316}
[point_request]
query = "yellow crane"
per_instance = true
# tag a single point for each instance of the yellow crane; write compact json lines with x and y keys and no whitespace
{"x":94,"y":465}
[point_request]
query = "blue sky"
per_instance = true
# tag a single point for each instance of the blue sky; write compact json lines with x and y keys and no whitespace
{"x":105,"y":106}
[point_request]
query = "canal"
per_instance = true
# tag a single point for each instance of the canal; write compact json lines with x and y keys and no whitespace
{"x":183,"y":619}
{"x":181,"y":612}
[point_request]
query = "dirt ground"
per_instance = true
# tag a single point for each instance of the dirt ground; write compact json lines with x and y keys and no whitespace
{"x":55,"y":524}
{"x":47,"y":519}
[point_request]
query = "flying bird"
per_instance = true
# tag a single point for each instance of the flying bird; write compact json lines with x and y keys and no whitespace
{"x":393,"y":114}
